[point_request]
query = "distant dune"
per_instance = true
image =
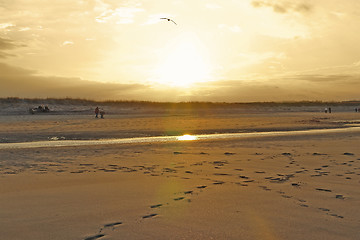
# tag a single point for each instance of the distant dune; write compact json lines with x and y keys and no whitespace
{"x":14,"y":106}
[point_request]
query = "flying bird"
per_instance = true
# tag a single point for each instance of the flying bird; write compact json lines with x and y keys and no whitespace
{"x":169,"y":20}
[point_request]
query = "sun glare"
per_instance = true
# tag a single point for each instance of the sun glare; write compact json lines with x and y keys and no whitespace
{"x":187,"y":137}
{"x":183,"y":64}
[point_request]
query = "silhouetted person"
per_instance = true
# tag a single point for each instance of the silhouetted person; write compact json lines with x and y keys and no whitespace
{"x":102,"y":113}
{"x":96,"y":112}
{"x":329,"y":110}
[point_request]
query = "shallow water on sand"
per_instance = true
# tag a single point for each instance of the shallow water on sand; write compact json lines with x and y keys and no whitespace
{"x":68,"y":143}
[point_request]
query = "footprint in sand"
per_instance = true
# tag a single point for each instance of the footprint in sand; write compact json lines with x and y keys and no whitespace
{"x":229,"y":153}
{"x":241,"y":184}
{"x":169,"y":170}
{"x":100,"y":235}
{"x":179,"y":198}
{"x":149,"y":216}
{"x":335,"y":215}
{"x":112,"y":224}
{"x":95,"y":237}
{"x":339,"y":196}
{"x":239,"y":169}
{"x":218,"y":183}
{"x":265,"y":188}
{"x":316,"y":175}
{"x":80,"y":171}
{"x":222,"y":174}
{"x":179,"y":167}
{"x":324,"y":209}
{"x":10,"y":172}
{"x":323,"y":189}
{"x":220,"y":163}
{"x":113,"y":165}
{"x":318,"y":154}
{"x":281,"y":179}
{"x":248,"y":181}
{"x":156,"y":206}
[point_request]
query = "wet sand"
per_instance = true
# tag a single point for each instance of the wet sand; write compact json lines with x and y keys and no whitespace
{"x":278,"y":187}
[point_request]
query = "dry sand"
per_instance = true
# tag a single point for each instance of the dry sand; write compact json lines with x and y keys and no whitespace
{"x":284,"y":187}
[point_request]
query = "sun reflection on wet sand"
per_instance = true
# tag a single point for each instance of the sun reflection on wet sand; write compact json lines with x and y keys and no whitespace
{"x":65,"y":143}
{"x":187,"y":137}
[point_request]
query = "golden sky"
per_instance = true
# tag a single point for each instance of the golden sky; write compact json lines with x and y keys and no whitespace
{"x":220,"y":50}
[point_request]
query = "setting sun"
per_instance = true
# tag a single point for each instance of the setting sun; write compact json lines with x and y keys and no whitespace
{"x":183,"y":63}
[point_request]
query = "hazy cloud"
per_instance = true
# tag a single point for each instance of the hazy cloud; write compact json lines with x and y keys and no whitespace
{"x":7,"y":71}
{"x":19,"y":82}
{"x":327,"y":79}
{"x":7,"y":44}
{"x":122,"y":15}
{"x":283,"y":6}
{"x":6,"y":25}
{"x":155,"y":18}
{"x":287,"y":88}
{"x":66,"y":43}
{"x":6,"y":55}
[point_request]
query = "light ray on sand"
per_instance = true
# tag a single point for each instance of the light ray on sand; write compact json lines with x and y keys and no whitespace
{"x":187,"y":137}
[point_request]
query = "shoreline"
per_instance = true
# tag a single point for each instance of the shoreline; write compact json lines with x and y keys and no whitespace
{"x":28,"y":128}
{"x":165,"y":139}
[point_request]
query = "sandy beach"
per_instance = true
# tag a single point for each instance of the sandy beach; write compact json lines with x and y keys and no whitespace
{"x":268,"y":187}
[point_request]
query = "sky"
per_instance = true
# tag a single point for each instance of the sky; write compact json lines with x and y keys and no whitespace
{"x":218,"y":50}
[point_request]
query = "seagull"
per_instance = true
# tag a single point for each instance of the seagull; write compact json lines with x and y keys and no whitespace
{"x":169,"y":20}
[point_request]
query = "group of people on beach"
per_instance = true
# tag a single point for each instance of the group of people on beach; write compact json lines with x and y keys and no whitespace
{"x":39,"y":109}
{"x":97,"y":111}
{"x":328,"y":110}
